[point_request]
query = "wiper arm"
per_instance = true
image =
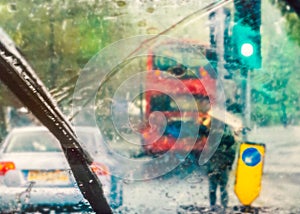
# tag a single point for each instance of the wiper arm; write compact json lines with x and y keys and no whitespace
{"x":21,"y":79}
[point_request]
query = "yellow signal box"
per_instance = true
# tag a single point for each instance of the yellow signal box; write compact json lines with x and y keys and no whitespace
{"x":249,"y":172}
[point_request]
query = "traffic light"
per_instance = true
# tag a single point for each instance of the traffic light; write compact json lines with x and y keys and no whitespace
{"x":246,"y":33}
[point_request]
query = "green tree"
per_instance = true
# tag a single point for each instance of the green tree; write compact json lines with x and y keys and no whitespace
{"x":274,"y":95}
{"x":59,"y":37}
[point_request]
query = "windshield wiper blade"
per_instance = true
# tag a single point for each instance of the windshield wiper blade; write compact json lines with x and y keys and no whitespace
{"x":20,"y":78}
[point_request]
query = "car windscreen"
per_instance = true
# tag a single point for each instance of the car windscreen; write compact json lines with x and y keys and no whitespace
{"x":41,"y":141}
{"x":163,"y":102}
{"x":189,"y":58}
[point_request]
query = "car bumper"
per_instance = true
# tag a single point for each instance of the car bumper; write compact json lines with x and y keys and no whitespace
{"x":12,"y":198}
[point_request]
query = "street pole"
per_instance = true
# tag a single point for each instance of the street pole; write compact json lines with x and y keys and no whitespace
{"x":248,"y":101}
{"x":245,"y":100}
{"x":220,"y":43}
{"x":218,"y":26}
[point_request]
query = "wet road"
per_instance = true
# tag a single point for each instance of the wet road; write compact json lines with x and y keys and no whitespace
{"x":189,"y":186}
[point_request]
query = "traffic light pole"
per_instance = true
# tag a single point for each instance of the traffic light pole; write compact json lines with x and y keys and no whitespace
{"x":220,"y":18}
{"x":247,"y":49}
{"x":246,"y":100}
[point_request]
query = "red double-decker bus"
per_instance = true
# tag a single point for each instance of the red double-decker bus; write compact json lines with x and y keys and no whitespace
{"x":178,"y":70}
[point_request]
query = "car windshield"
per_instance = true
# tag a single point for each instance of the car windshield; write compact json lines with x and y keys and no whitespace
{"x":154,"y":106}
{"x":41,"y":141}
{"x":191,"y":57}
{"x":164,"y":102}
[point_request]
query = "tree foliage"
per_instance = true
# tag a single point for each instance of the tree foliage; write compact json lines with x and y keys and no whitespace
{"x":275,"y":97}
{"x":59,"y":37}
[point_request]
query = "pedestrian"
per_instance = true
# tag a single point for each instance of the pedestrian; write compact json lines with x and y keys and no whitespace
{"x":220,"y":164}
{"x":218,"y":168}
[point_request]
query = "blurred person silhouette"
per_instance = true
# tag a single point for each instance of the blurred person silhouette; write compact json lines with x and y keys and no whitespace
{"x":219,"y":165}
{"x":218,"y":168}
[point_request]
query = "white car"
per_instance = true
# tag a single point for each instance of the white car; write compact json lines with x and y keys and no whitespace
{"x":35,"y":175}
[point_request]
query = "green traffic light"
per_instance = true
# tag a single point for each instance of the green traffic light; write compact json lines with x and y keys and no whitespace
{"x":247,"y":45}
{"x":247,"y":49}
